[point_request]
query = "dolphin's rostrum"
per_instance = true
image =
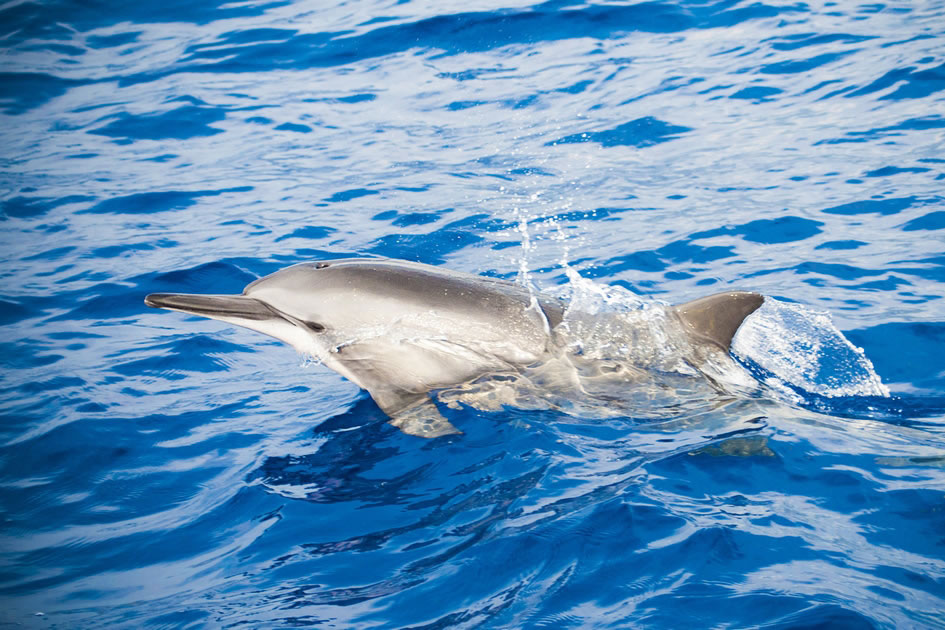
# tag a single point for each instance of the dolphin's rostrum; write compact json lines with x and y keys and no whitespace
{"x":401,"y":329}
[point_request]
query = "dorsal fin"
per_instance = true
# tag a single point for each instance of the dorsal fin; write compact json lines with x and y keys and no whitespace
{"x":715,"y":319}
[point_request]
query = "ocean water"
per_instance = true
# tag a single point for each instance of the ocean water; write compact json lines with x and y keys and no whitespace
{"x":165,"y":471}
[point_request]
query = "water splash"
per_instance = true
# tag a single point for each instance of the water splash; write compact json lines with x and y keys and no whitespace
{"x":802,"y":349}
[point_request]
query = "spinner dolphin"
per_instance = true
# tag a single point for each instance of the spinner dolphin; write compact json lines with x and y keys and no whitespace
{"x":401,"y":329}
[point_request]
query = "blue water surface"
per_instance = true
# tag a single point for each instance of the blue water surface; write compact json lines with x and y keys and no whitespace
{"x":165,"y":471}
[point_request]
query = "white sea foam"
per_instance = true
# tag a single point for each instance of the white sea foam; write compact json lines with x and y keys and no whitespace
{"x":802,"y":348}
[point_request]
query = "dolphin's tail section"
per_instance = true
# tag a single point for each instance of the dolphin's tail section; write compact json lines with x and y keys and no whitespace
{"x":715,"y":319}
{"x":234,"y":306}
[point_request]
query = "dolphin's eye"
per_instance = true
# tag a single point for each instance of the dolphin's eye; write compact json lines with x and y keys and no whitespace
{"x":321,"y":265}
{"x":314,"y":327}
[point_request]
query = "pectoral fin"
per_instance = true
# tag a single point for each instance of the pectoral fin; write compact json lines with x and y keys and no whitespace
{"x":715,"y":319}
{"x":414,"y":414}
{"x":423,"y":420}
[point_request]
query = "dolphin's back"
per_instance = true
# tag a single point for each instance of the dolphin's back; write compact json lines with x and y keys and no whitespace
{"x":406,"y":282}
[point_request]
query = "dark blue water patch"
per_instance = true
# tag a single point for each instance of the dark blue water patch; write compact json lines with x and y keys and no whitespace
{"x":886,"y":171}
{"x":686,"y":251}
{"x":142,"y":548}
{"x":931,"y":221}
{"x":151,"y":202}
{"x":758,"y":93}
{"x":181,"y":619}
{"x":309,"y":232}
{"x":802,"y":40}
{"x":26,"y":306}
{"x":164,"y":157}
{"x":458,"y":33}
{"x":848,"y":244}
{"x":26,"y":354}
{"x":333,"y":483}
{"x":532,"y":170}
{"x":725,"y":17}
{"x":259,"y":120}
{"x":56,"y":253}
{"x":642,"y":132}
{"x":189,"y":121}
{"x":471,"y":73}
{"x":114,"y":251}
{"x":186,"y":98}
{"x":61,"y":19}
{"x":824,"y":616}
{"x":454,"y":34}
{"x":363,"y":97}
{"x":656,"y":260}
{"x":407,"y":219}
{"x":387,"y":215}
{"x":769,"y":231}
{"x":668,"y":84}
{"x":298,"y":128}
{"x":116,"y":443}
{"x":576,"y":88}
{"x":836,"y":270}
{"x":913,"y":83}
{"x":62,"y":49}
{"x":892,"y":205}
{"x":890,"y":283}
{"x":911,"y":124}
{"x":428,"y":248}
{"x":23,"y":91}
{"x":912,"y":520}
{"x":225,"y":276}
{"x":56,"y":383}
{"x":820,"y":86}
{"x":456,"y":106}
{"x":905,"y":352}
{"x":597,"y":214}
{"x":26,"y":21}
{"x":11,"y":312}
{"x":177,"y":358}
{"x":803,"y":65}
{"x":110,"y":41}
{"x":252,"y":35}
{"x":716,"y":88}
{"x":348,"y":195}
{"x":519,"y":103}
{"x":108,"y":300}
{"x":431,"y":248}
{"x":29,"y":207}
{"x":482,"y":223}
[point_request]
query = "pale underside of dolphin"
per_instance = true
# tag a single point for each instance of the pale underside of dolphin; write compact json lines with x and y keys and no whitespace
{"x":400,"y":329}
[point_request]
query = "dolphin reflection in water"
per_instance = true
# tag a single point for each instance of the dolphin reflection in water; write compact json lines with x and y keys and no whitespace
{"x":401,"y":330}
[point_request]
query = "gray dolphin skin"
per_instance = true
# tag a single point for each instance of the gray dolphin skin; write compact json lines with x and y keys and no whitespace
{"x":401,"y":329}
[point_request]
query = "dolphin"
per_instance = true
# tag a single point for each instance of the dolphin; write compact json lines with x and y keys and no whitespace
{"x":402,"y":329}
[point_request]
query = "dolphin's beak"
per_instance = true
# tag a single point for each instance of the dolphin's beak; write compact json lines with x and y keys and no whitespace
{"x":235,"y":306}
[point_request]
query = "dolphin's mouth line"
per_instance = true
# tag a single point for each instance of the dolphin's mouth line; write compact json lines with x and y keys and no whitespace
{"x":236,"y":306}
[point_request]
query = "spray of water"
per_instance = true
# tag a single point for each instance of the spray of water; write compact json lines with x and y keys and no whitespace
{"x":798,"y":350}
{"x":802,"y":349}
